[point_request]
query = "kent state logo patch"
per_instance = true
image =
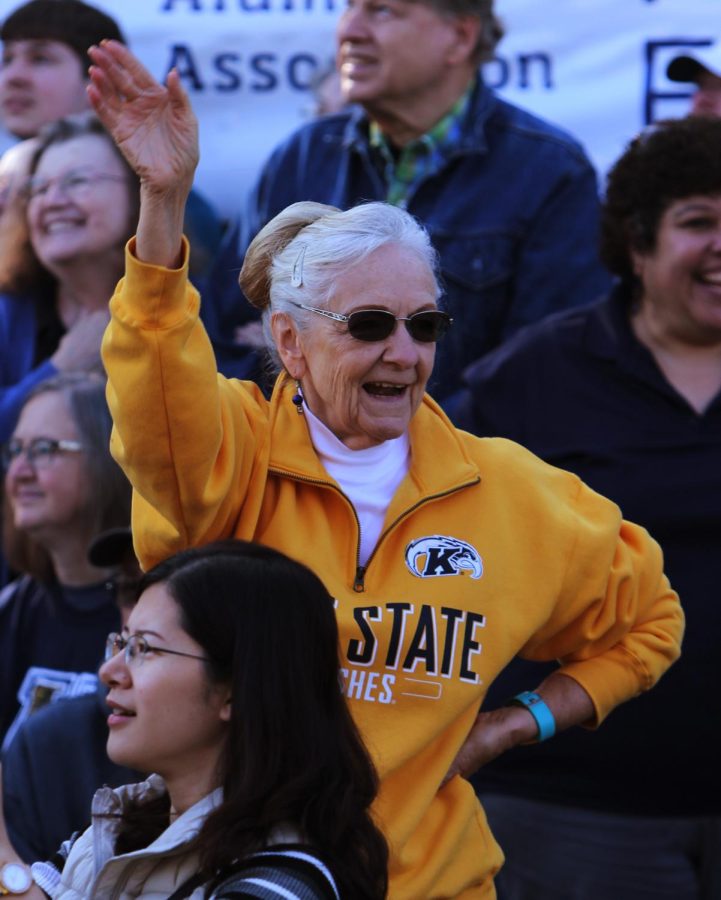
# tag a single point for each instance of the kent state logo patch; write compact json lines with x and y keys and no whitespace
{"x":438,"y":555}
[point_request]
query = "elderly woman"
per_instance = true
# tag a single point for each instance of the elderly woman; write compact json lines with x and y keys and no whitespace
{"x":626,"y":393}
{"x":446,"y":554}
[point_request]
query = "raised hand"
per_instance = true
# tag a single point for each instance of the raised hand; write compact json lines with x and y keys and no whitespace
{"x":153,"y":125}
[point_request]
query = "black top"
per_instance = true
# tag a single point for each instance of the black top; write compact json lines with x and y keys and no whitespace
{"x":53,"y":627}
{"x":580,"y":391}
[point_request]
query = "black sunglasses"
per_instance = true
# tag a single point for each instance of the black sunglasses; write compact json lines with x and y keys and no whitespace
{"x":426,"y":326}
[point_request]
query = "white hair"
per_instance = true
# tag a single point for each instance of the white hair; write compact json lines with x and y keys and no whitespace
{"x":307,"y":269}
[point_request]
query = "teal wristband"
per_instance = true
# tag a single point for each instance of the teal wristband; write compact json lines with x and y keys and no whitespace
{"x":533,"y":702}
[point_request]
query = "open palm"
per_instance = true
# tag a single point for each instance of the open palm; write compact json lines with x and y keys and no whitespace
{"x":153,"y":125}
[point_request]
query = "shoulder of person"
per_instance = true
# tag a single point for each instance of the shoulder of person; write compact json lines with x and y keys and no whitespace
{"x":286,"y":871}
{"x":511,"y":466}
{"x":19,"y":308}
{"x":12,"y":304}
{"x":535,"y":130}
{"x":24,"y":589}
{"x":18,"y":322}
{"x":559,"y":331}
{"x":329,"y":132}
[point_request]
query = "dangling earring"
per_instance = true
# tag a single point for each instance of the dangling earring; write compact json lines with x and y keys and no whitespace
{"x":298,"y":399}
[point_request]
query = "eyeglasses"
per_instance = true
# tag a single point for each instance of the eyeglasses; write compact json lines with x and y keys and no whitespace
{"x":39,"y":452}
{"x":74,"y":185}
{"x":136,"y":648}
{"x":426,"y":326}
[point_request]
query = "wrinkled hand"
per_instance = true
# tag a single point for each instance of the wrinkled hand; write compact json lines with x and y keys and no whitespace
{"x":79,"y":348}
{"x":497,"y":731}
{"x":492,"y":734}
{"x":153,"y":125}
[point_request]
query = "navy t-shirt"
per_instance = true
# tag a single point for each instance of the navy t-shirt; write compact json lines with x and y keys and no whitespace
{"x":583,"y":393}
{"x":54,"y":628}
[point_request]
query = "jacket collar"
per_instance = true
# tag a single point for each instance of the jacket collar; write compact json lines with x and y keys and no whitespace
{"x":608,"y":335}
{"x":432,"y":438}
{"x":607,"y":332}
{"x":482,"y":105}
{"x":109,"y":804}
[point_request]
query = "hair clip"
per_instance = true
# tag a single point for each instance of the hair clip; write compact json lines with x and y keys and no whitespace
{"x":296,"y":278}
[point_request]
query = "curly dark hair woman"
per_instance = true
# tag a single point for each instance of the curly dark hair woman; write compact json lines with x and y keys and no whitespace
{"x":669,"y":161}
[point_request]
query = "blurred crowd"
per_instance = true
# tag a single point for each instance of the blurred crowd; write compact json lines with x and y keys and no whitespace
{"x":586,"y":326}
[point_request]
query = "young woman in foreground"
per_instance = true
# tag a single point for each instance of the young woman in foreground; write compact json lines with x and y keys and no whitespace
{"x":226,"y":685}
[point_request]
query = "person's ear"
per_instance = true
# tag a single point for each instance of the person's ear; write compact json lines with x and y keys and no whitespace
{"x":287,"y":342}
{"x":466,"y":30}
{"x":637,"y":263}
{"x":226,"y":710}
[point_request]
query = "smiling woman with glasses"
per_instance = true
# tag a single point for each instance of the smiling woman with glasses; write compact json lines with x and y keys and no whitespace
{"x":446,"y":554}
{"x":76,"y":183}
{"x":61,"y":489}
{"x":39,"y":452}
{"x":62,"y":242}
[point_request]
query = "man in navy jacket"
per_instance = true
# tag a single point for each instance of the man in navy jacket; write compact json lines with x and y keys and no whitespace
{"x":510,"y":201}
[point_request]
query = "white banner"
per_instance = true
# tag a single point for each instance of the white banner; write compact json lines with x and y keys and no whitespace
{"x":596,"y":67}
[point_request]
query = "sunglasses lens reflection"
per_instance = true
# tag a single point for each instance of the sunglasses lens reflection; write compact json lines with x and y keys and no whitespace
{"x":428,"y":327}
{"x":371,"y":325}
{"x":377,"y":325}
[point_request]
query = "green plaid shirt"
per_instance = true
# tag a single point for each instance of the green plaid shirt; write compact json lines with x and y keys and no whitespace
{"x":422,"y":157}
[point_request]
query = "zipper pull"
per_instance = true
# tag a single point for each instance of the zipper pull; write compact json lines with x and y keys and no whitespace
{"x":358,"y":585}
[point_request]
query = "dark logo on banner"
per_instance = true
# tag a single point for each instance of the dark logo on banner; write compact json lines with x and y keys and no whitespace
{"x":663,"y":98}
